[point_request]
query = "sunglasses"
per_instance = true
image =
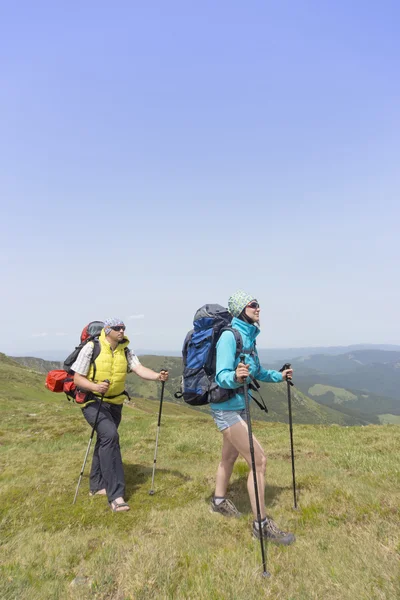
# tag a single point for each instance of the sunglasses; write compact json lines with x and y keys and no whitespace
{"x":253,"y":305}
{"x":118,"y":328}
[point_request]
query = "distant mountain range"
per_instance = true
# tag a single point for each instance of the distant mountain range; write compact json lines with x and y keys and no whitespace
{"x":267,"y":355}
{"x":274,"y":354}
{"x":342,"y":363}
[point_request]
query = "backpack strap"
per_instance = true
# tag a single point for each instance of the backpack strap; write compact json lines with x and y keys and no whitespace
{"x":95,"y":354}
{"x":239,"y":342}
{"x":126,"y":354}
{"x":126,"y":391}
{"x":185,"y":345}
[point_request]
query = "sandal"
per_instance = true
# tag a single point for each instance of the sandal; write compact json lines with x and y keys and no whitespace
{"x":98,"y":492}
{"x":119,"y":506}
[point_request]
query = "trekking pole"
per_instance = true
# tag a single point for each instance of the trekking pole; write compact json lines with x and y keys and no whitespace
{"x":253,"y":467}
{"x":289,"y":383}
{"x":151,"y":492}
{"x":89,"y":444}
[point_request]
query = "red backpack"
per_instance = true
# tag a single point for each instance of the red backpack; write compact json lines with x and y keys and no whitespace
{"x":62,"y":380}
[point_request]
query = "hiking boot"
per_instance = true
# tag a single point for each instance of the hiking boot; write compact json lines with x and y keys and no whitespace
{"x":272,"y":533}
{"x":225,"y":508}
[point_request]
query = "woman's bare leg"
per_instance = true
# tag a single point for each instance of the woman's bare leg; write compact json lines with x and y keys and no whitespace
{"x":225,"y":467}
{"x":238,"y":437}
{"x":236,"y":441}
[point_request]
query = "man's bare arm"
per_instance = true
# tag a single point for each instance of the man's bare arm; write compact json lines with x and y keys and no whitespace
{"x":83,"y":382}
{"x":149,"y":374}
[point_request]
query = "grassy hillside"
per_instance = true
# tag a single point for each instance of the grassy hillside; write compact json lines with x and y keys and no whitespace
{"x":363,"y":403}
{"x":340,"y":395}
{"x":390,"y":419}
{"x":169,"y":546}
{"x":379,"y":379}
{"x":305,"y":409}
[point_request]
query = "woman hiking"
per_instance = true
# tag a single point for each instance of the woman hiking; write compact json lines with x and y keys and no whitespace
{"x":230,"y":416}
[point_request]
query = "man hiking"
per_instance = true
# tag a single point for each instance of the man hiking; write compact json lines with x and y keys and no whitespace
{"x":113,"y":363}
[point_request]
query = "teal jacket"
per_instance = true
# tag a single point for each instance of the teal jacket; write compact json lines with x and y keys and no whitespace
{"x":226,"y":364}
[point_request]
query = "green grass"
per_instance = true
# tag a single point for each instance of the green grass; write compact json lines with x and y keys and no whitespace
{"x":340,"y":394}
{"x":385,"y":419}
{"x":169,"y":545}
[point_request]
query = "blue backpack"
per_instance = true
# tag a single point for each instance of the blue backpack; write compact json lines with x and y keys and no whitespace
{"x":199,"y":356}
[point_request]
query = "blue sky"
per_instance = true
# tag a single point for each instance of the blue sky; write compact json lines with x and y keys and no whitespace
{"x":158,"y":156}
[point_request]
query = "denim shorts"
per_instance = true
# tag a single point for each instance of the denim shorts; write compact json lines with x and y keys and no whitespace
{"x":226,"y":418}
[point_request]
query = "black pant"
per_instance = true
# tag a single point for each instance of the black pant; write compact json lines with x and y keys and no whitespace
{"x":107,"y":470}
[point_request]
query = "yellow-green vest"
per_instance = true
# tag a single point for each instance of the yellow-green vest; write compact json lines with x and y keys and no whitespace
{"x":111,"y":365}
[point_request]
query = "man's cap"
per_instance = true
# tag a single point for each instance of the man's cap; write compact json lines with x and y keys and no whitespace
{"x":112,"y":322}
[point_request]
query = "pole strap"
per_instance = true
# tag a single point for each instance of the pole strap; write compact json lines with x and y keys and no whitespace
{"x":255,"y":387}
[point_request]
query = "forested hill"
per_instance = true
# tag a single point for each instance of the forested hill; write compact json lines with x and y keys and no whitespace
{"x":360,"y":382}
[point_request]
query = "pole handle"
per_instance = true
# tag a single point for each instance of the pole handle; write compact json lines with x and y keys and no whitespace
{"x":242,"y":359}
{"x":287,"y":366}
